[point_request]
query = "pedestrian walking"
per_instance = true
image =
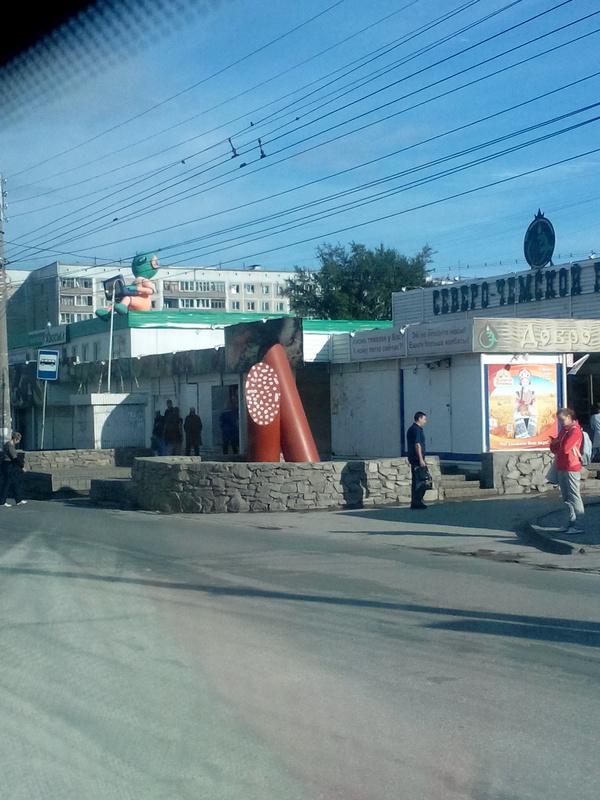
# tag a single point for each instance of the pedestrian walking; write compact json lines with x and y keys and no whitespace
{"x":415,"y":445}
{"x":12,"y":472}
{"x":567,"y":447}
{"x":193,"y":433}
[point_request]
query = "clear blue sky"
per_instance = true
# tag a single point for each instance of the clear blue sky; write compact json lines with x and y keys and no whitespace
{"x":365,"y":112}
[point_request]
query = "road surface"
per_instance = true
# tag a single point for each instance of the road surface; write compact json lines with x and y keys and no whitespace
{"x":280,"y":657}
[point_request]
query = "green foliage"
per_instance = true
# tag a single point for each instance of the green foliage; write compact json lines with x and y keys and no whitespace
{"x":356,"y":284}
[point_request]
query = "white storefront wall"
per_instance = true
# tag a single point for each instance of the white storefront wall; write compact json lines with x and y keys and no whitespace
{"x":365,"y":410}
{"x":450,"y":395}
{"x":374,"y":400}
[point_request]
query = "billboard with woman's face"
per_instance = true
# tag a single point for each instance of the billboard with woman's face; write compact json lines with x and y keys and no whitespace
{"x":521,"y":405}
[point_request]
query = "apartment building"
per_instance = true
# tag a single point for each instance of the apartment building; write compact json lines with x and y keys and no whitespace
{"x":60,"y":294}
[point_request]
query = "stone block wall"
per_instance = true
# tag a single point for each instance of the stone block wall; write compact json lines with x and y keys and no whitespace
{"x":516,"y":473}
{"x":178,"y":484}
{"x":48,"y":460}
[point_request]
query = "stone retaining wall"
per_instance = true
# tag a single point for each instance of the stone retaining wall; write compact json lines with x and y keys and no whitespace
{"x":48,"y":460}
{"x":516,"y":473}
{"x":178,"y":484}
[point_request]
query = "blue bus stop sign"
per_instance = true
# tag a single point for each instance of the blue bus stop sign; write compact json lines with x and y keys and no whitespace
{"x":47,"y":365}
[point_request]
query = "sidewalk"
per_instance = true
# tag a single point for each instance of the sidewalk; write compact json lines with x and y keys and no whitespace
{"x":521,"y":530}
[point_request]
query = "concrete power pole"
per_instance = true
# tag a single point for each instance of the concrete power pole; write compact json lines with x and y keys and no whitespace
{"x":5,"y":419}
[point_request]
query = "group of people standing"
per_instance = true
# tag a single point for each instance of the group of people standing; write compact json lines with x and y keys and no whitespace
{"x":169,"y":430}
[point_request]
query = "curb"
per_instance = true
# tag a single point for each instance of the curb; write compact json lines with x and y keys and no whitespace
{"x":547,"y":540}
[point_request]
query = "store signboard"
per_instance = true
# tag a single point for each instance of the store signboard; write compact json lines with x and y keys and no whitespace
{"x":536,"y":335}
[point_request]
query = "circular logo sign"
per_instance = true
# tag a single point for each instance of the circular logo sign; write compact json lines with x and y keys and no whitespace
{"x":539,"y":242}
{"x":488,"y":338}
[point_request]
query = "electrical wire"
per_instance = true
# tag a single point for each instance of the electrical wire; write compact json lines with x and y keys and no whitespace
{"x":164,"y":203}
{"x":184,"y":91}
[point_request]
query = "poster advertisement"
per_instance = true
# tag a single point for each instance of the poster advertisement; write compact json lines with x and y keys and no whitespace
{"x":247,"y":342}
{"x":522,"y":401}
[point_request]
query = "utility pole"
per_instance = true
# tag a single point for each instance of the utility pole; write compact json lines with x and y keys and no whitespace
{"x":5,"y":420}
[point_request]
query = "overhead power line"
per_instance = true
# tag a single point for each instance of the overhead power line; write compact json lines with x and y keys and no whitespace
{"x":194,"y":191}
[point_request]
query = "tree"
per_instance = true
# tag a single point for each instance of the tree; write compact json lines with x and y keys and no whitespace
{"x":356,"y":284}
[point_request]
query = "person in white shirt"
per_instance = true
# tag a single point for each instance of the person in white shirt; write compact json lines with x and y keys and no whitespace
{"x":595,"y":432}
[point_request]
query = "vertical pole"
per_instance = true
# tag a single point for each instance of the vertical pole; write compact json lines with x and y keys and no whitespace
{"x":44,"y":414}
{"x":110,"y":340}
{"x":5,"y":419}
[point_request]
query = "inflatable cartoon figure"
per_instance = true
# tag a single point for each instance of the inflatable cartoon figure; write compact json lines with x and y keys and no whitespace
{"x":135,"y":296}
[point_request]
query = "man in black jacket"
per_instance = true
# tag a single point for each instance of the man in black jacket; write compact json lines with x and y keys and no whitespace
{"x":12,"y":471}
{"x":193,"y":433}
{"x":415,"y":445}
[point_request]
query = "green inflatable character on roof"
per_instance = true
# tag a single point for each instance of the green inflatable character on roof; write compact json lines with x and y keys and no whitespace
{"x":135,"y":296}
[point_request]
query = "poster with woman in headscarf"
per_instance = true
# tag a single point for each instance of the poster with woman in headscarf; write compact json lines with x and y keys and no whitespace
{"x":522,"y":402}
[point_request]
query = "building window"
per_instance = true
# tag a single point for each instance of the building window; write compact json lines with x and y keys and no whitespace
{"x":264,"y":306}
{"x":279,"y":291}
{"x":120,"y":347}
{"x":67,"y":283}
{"x":251,"y":306}
{"x":217,"y":286}
{"x":85,"y":352}
{"x":85,"y":283}
{"x":217,"y":303}
{"x":249,"y":288}
{"x":186,"y":302}
{"x":65,"y":319}
{"x":67,"y":300}
{"x":266,"y":289}
{"x":84,"y":300}
{"x":280,"y":306}
{"x":203,"y":302}
{"x":235,"y":305}
{"x":96,"y":351}
{"x":170,"y":302}
{"x":234,"y":288}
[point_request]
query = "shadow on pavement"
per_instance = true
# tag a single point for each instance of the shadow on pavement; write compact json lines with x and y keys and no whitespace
{"x":465,"y":620}
{"x":500,"y":514}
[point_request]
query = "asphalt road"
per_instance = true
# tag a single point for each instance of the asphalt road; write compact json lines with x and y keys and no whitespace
{"x":253,"y":657}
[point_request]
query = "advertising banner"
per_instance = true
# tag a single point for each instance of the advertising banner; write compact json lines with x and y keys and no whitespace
{"x":440,"y":338}
{"x":521,"y":405}
{"x":367,"y":345}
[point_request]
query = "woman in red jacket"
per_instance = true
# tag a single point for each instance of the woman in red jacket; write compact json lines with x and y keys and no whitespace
{"x":567,"y":447}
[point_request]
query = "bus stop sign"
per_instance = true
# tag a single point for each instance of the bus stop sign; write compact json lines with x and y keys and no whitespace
{"x":47,"y":365}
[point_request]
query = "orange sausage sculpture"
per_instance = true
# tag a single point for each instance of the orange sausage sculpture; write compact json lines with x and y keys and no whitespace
{"x":276,"y":418}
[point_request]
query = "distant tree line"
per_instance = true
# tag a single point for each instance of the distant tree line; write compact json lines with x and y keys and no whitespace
{"x":355,"y":283}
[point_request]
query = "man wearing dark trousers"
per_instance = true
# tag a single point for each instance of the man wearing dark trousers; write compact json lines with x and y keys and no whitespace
{"x":415,"y":444}
{"x":12,"y":472}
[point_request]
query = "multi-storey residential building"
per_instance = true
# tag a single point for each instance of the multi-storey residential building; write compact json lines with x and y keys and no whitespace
{"x":59,"y":294}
